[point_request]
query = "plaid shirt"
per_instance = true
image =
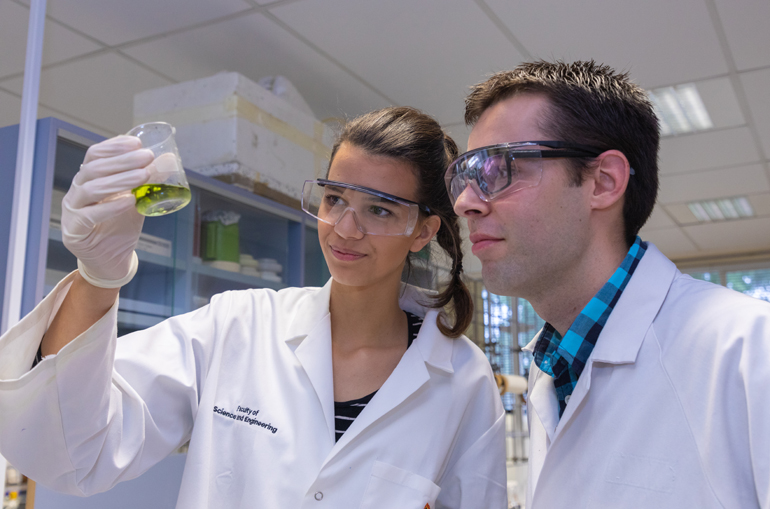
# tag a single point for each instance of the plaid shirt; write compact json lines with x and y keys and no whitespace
{"x":564,"y":358}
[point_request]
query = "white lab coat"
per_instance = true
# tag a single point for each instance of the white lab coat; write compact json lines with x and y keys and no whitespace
{"x":672,"y":409}
{"x":248,"y":379}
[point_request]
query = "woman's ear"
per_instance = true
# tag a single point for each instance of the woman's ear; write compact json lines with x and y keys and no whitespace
{"x":428,"y":230}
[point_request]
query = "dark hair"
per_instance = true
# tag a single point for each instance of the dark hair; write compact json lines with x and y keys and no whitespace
{"x":590,"y":104}
{"x":408,"y":135}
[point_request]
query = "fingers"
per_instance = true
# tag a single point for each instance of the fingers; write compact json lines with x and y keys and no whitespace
{"x":113,"y":165}
{"x":79,"y":225}
{"x":100,"y":189}
{"x":112,"y":147}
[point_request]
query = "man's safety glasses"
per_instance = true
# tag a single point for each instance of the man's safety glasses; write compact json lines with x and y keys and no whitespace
{"x":507,"y":167}
{"x":374,"y":212}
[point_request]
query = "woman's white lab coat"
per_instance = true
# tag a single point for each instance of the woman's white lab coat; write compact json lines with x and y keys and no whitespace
{"x":248,"y":379}
{"x":672,"y":409}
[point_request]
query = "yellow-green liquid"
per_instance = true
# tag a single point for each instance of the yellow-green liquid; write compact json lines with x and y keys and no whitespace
{"x":160,"y":199}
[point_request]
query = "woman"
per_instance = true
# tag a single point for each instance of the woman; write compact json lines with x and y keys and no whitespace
{"x":358,"y":394}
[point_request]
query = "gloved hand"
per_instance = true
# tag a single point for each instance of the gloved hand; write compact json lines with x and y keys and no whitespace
{"x":100,"y":224}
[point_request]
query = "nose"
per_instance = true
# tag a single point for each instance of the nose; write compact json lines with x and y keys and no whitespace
{"x":469,"y":204}
{"x":347,"y":225}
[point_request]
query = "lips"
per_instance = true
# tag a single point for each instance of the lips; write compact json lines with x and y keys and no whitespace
{"x":482,"y":241}
{"x":346,"y":255}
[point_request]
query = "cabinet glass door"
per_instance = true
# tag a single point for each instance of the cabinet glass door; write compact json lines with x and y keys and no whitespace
{"x":316,"y":270}
{"x":238,"y":245}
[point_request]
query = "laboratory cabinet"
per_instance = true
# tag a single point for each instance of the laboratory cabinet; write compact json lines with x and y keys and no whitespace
{"x":277,"y":247}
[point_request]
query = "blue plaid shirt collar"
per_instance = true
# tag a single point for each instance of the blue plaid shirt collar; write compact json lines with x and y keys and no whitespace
{"x":564,"y":358}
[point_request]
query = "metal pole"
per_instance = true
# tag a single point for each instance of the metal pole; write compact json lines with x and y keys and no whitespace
{"x":22,"y":186}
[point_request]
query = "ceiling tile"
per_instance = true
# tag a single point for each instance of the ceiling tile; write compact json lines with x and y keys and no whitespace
{"x":98,"y":89}
{"x":659,"y":219}
{"x":10,"y":113}
{"x":761,"y":204}
{"x":719,"y":98}
{"x":671,"y":242}
{"x":623,"y":33}
{"x":59,"y":43}
{"x":681,"y":213}
{"x":732,"y":236}
{"x":706,"y":185}
{"x":711,"y":149}
{"x":756,"y":85}
{"x":119,"y":22}
{"x":257,"y":47}
{"x":744,"y":24}
{"x":423,"y":54}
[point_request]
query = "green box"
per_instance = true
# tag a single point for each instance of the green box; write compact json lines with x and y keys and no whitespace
{"x":220,"y":242}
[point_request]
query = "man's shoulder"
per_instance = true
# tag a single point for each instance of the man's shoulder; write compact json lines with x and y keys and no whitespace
{"x":703,"y":315}
{"x":691,"y":298}
{"x":710,"y":301}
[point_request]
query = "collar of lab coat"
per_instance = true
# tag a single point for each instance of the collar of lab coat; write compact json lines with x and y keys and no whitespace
{"x":309,"y":336}
{"x":620,"y":339}
{"x":634,"y":312}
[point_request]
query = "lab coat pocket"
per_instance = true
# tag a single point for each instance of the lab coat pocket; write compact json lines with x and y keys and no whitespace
{"x":635,"y":480}
{"x":391,"y":486}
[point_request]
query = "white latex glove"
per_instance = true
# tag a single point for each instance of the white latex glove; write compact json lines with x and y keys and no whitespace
{"x":100,"y":224}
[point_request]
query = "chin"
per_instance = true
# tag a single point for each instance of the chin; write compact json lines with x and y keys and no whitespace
{"x":500,"y":283}
{"x":350,"y":277}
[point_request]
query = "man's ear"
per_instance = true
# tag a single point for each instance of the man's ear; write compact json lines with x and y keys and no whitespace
{"x":428,"y":229}
{"x":611,"y":175}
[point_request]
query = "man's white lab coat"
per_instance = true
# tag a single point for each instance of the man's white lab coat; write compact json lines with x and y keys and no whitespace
{"x":248,"y":379}
{"x":672,"y":409}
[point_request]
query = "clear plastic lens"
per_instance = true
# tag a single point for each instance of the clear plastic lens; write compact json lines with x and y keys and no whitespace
{"x":490,"y":172}
{"x":374,"y":214}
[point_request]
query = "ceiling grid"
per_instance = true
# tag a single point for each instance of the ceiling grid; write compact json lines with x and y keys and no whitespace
{"x":347,"y":57}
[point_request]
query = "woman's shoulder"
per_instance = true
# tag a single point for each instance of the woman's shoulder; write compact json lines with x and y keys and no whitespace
{"x":465,"y":355}
{"x":279,"y":299}
{"x":469,"y":352}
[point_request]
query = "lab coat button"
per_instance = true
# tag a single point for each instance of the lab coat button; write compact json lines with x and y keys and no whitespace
{"x":319,"y":496}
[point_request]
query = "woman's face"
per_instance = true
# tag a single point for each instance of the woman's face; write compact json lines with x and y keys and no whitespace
{"x":357,"y":259}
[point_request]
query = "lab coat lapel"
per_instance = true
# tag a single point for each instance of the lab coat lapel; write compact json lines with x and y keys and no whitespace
{"x":430,"y":348}
{"x":410,"y":374}
{"x":315,"y":355}
{"x":623,"y":334}
{"x":310,"y":337}
{"x":542,"y":401}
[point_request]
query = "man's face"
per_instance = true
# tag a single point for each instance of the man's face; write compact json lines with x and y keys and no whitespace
{"x":532,"y":240}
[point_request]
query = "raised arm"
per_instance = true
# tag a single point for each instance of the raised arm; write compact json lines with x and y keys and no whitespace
{"x":101,"y":227}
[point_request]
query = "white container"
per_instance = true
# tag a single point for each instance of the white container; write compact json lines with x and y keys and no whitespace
{"x":155,"y":245}
{"x":232,"y":128}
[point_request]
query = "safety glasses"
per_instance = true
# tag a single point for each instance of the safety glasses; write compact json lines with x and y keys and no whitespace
{"x":374,"y":212}
{"x":507,"y":167}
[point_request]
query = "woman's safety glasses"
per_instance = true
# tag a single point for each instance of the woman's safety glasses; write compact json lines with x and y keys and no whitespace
{"x":374,"y":212}
{"x":507,"y":167}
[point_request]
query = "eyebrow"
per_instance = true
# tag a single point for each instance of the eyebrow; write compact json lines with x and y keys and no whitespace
{"x":381,"y":199}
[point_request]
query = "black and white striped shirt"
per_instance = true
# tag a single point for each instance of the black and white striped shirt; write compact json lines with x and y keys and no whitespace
{"x":345,"y":412}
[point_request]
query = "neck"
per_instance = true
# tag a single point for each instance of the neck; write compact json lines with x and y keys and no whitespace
{"x":366,"y":316}
{"x":562,"y":302}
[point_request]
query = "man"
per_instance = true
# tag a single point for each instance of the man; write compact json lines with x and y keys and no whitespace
{"x":648,"y":388}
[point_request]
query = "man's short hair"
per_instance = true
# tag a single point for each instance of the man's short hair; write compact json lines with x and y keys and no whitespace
{"x":590,"y":104}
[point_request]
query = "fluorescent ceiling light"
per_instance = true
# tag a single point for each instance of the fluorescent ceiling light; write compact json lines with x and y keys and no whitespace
{"x":721,"y":209}
{"x":680,"y":109}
